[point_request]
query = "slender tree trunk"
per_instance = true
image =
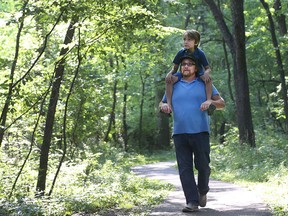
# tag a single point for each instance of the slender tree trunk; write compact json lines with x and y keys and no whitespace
{"x":279,"y":60}
{"x":281,"y":18}
{"x":124,"y":118}
{"x":31,"y":144}
{"x":140,"y":141}
{"x":112,"y":113}
{"x":163,"y":135}
{"x":228,"y":71}
{"x":11,"y":77}
{"x":111,"y":124}
{"x":222,"y":132}
{"x":74,"y":135}
{"x":59,"y":71}
{"x":65,"y":116}
{"x":13,"y":84}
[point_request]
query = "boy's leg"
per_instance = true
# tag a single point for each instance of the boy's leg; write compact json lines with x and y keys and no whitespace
{"x":208,"y":87}
{"x":169,"y":91}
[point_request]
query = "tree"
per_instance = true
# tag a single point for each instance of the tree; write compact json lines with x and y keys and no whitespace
{"x":236,"y":44}
{"x":12,"y":73}
{"x":281,"y":18}
{"x":59,"y":72}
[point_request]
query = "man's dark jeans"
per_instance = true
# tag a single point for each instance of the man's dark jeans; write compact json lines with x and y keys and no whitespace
{"x":188,"y":146}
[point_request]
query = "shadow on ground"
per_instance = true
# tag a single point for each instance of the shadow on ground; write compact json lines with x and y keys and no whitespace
{"x":224,"y":199}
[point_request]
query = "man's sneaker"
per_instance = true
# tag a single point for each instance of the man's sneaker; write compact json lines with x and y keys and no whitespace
{"x":190,"y":207}
{"x":202,"y":200}
{"x":211,"y":109}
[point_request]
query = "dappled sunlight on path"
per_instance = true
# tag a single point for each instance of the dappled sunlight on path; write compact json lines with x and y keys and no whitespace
{"x":224,"y":199}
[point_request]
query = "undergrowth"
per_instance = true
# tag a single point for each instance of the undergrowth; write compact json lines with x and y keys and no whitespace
{"x":97,"y":184}
{"x":264,"y":168}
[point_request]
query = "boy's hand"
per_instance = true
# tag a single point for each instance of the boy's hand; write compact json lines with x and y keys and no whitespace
{"x":206,"y":77}
{"x":164,"y":107}
{"x":205,"y":105}
{"x":168,"y":78}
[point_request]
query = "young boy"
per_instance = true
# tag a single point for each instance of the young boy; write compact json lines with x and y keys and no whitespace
{"x":191,"y":41}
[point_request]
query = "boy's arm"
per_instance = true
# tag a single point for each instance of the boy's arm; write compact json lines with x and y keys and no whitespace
{"x":169,"y":91}
{"x":207,"y":69}
{"x":218,"y":101}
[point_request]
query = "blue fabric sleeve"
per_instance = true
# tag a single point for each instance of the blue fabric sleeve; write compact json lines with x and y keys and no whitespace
{"x":164,"y":99}
{"x":214,"y":90}
{"x":179,"y":75}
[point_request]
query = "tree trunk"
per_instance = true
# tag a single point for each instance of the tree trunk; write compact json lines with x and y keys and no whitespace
{"x":112,"y":113}
{"x":228,"y":71}
{"x":281,"y":18}
{"x":244,"y":114}
{"x":65,"y":116}
{"x":163,"y":135}
{"x":11,"y":77}
{"x":31,"y":144}
{"x":222,"y":132}
{"x":124,"y":118}
{"x":140,"y":141}
{"x":59,"y":71}
{"x":111,"y":125}
{"x":236,"y":44}
{"x":13,"y":84}
{"x":279,"y":61}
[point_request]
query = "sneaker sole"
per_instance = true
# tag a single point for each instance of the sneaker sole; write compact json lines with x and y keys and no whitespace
{"x":186,"y":209}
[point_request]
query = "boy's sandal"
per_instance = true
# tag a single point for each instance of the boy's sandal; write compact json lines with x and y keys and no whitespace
{"x":211,"y":109}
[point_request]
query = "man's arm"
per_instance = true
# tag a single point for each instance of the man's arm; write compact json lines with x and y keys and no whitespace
{"x":217,"y":101}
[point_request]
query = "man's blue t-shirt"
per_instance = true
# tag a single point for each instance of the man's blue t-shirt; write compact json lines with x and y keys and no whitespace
{"x":200,"y":56}
{"x":186,"y":101}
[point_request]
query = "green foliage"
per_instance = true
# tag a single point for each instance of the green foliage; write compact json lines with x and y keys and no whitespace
{"x":264,"y":168}
{"x":124,"y":42}
{"x":102,"y":182}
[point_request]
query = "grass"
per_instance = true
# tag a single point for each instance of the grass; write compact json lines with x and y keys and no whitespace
{"x":262,"y":169}
{"x":102,"y":184}
{"x":98,"y":184}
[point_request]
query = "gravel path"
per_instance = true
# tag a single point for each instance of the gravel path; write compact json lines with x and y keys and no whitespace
{"x":224,"y":199}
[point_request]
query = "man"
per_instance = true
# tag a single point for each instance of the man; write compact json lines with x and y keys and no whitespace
{"x":191,"y":132}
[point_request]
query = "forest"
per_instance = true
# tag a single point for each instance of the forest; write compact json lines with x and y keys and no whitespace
{"x":80,"y":85}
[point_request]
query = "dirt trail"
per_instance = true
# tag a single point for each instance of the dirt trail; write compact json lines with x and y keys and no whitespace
{"x":224,"y":199}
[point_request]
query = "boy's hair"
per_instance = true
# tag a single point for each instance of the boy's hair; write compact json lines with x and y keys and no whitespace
{"x":193,"y":34}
